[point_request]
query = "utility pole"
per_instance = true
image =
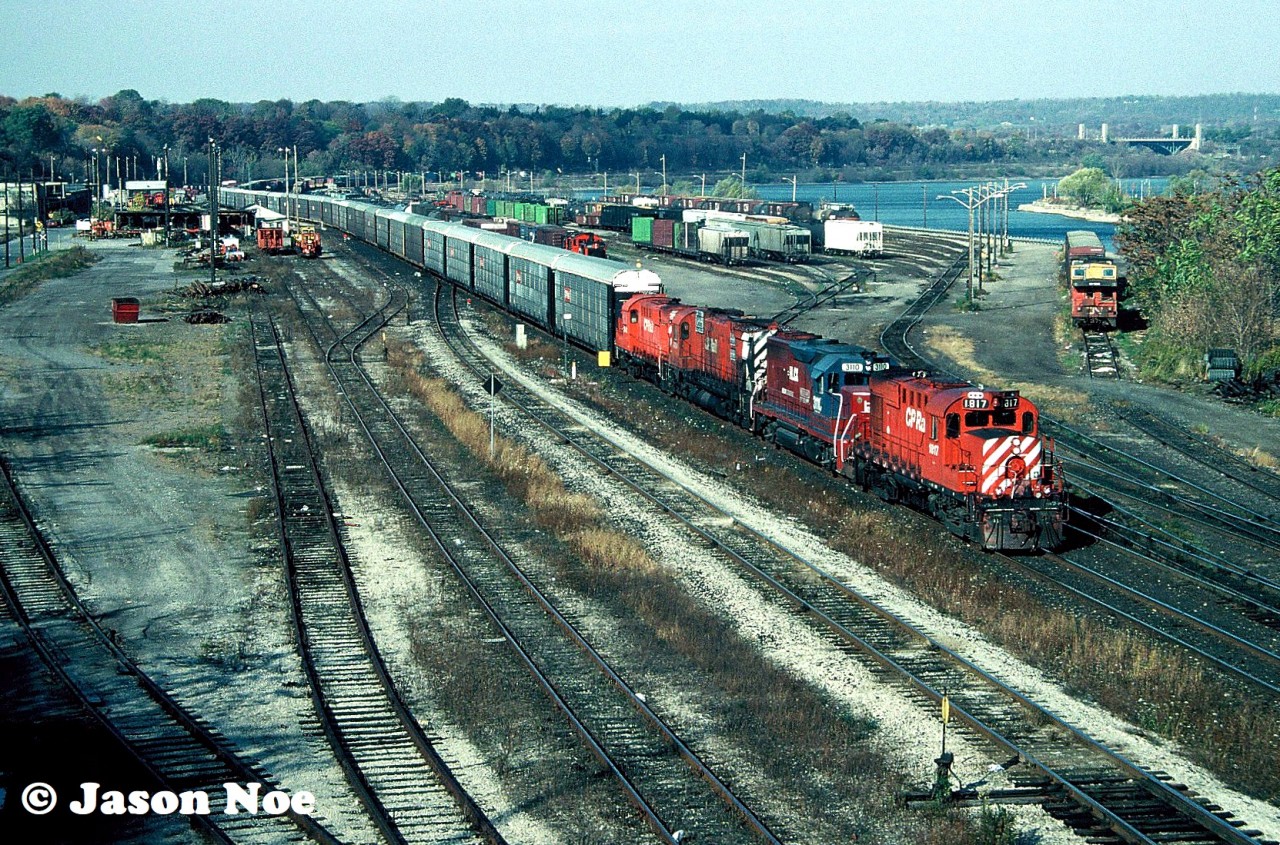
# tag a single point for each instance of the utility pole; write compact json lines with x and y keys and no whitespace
{"x":924,"y":207}
{"x":981,"y":237}
{"x":704,"y":184}
{"x":664,"y":174}
{"x":744,"y":172}
{"x":6,"y":217}
{"x":285,"y":152}
{"x":213,"y":211}
{"x":36,"y":217}
{"x":168,"y":200}
{"x":22,"y":249}
{"x":793,"y":188}
{"x":969,"y":203}
{"x":1004,"y":234}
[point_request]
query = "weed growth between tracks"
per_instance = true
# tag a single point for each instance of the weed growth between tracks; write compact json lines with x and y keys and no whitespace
{"x":1230,"y":729}
{"x":830,"y":754}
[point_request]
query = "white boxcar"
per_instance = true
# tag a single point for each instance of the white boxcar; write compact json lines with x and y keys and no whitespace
{"x":853,"y":237}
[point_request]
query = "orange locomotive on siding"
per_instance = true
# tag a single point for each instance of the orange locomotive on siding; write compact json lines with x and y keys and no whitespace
{"x":1094,"y":281}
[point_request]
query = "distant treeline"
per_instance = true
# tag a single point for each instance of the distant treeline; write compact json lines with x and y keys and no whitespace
{"x":923,"y":140}
{"x":1129,"y":115}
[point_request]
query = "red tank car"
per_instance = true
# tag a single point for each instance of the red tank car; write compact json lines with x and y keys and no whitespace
{"x":690,"y":351}
{"x":815,"y":399}
{"x":972,"y":457}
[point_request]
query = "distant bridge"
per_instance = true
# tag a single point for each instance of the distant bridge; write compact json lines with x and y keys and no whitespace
{"x":1164,"y":146}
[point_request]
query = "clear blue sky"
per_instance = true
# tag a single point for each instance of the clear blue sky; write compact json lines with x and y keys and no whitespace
{"x":636,"y":51}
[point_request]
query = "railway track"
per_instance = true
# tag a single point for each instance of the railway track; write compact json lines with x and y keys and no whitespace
{"x":1119,"y":471}
{"x":1100,"y":355}
{"x":829,"y":292}
{"x":895,"y":338}
{"x":1092,"y":788}
{"x":672,"y":787}
{"x":1207,"y":453}
{"x":405,"y":786}
{"x":1184,"y":627}
{"x":180,"y":750}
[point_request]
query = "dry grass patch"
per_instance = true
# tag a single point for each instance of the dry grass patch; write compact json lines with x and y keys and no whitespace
{"x":762,"y":702}
{"x":949,"y":343}
{"x":1160,"y":687}
{"x":1261,"y":458}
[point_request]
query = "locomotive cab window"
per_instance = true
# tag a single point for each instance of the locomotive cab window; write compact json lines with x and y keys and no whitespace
{"x":985,"y":419}
{"x":635,"y":316}
{"x":1028,"y":423}
{"x":953,"y":426}
{"x":933,"y":427}
{"x":684,"y":331}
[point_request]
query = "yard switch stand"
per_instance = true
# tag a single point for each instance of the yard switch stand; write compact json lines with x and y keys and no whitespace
{"x":942,"y":778}
{"x":492,"y":384}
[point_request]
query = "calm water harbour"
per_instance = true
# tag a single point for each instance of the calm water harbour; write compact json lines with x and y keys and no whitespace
{"x":917,"y":204}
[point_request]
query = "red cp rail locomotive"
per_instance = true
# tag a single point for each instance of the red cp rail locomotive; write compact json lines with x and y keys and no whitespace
{"x":971,"y":456}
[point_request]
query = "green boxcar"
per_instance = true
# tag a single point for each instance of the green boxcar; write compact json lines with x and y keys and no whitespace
{"x":491,"y":208}
{"x":540,"y":214}
{"x":642,"y":230}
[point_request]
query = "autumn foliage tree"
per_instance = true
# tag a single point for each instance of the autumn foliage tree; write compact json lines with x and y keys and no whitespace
{"x":1205,"y":267}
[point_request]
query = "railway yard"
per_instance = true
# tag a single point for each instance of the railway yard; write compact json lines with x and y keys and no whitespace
{"x":290,"y":549}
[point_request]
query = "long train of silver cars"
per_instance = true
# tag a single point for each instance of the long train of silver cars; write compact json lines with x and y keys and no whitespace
{"x":580,"y":298}
{"x":573,"y":296}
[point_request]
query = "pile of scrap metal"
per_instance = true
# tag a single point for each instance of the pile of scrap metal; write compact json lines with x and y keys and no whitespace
{"x":202,"y":316}
{"x":221,"y":287}
{"x":1260,"y":388}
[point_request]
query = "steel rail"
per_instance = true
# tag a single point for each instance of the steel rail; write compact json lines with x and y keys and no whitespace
{"x":1264,"y":522}
{"x":1175,"y":547}
{"x":597,"y":747}
{"x":195,"y":731}
{"x":374,"y":808}
{"x":1172,"y":797}
{"x":387,"y":695}
{"x":1227,"y":463}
